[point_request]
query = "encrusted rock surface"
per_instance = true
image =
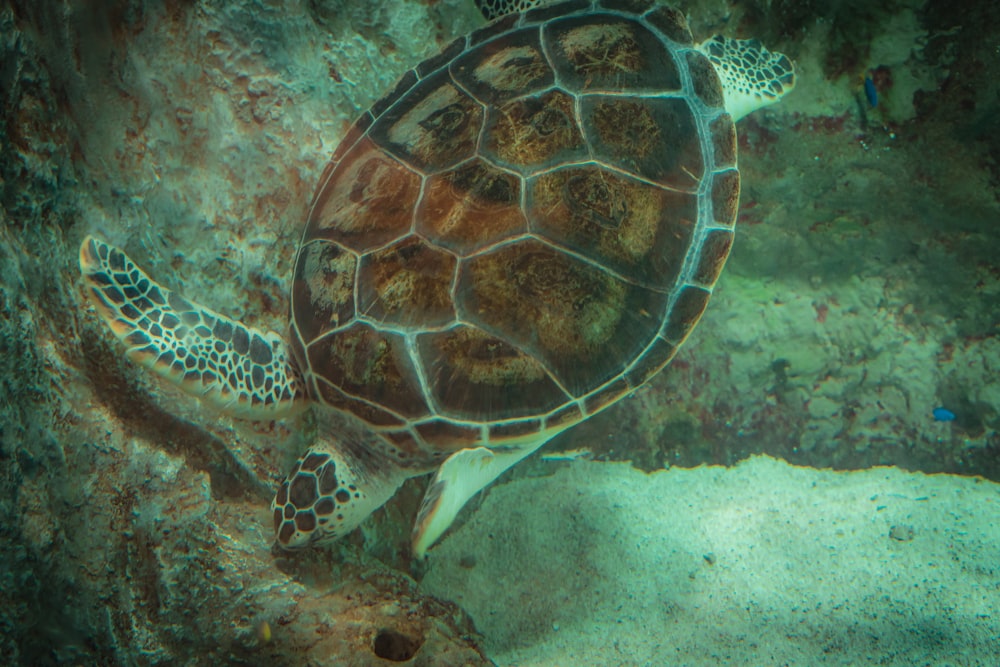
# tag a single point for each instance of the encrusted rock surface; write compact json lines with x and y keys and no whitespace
{"x":131,"y":535}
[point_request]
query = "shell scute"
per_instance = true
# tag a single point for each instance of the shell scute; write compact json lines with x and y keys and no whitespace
{"x":407,"y":285}
{"x":367,"y":200}
{"x":702,"y":80}
{"x":672,"y":24}
{"x":483,"y":377}
{"x":471,"y":206}
{"x":365,"y":363}
{"x":581,"y":322}
{"x":447,"y":435}
{"x":401,"y":88}
{"x":640,"y":231}
{"x":608,"y":53}
{"x":684,"y":315}
{"x":535,"y":132}
{"x":323,"y":288}
{"x":434,"y":128}
{"x":504,"y":68}
{"x":652,"y":361}
{"x":725,"y":196}
{"x":651,"y":136}
{"x":448,"y":54}
{"x":714,"y":251}
{"x":723,"y":141}
{"x":521,"y":232}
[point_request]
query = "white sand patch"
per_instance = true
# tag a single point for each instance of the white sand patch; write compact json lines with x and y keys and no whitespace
{"x":764,"y":563}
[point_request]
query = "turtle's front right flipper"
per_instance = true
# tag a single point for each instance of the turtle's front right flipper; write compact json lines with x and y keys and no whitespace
{"x":242,"y":371}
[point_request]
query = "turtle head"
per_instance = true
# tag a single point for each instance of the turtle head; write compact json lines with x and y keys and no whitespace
{"x":331,"y":489}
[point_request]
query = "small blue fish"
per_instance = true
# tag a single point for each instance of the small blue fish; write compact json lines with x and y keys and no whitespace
{"x":943,"y":415}
{"x":870,"y":91}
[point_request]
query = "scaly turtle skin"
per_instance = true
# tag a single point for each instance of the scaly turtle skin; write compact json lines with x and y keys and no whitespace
{"x":519,"y":235}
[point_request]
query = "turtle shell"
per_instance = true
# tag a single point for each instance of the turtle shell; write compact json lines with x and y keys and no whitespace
{"x":521,"y":233}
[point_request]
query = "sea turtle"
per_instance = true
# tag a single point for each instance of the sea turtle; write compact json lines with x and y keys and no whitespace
{"x":517,"y":236}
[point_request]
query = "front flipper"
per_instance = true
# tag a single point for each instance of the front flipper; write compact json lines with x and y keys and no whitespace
{"x":461,"y":476}
{"x":242,"y":371}
{"x":752,"y":77}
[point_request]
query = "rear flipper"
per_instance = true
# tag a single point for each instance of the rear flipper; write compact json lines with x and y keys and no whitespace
{"x":461,"y":476}
{"x":242,"y":371}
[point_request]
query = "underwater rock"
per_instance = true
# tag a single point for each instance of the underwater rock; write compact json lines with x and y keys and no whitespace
{"x":132,"y":536}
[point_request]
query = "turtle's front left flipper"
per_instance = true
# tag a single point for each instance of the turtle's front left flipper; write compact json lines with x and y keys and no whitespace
{"x":244,"y":372}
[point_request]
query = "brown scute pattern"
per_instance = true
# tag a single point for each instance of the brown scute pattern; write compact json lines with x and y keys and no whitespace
{"x":369,"y":364}
{"x":437,"y":128}
{"x":507,"y":68}
{"x":705,"y":80}
{"x":641,"y":231}
{"x":565,"y":417}
{"x":714,"y":252}
{"x":325,"y":506}
{"x":367,"y":202}
{"x":606,"y":396}
{"x":724,"y":141}
{"x":303,"y":492}
{"x":490,"y":31}
{"x":470,"y":207}
{"x":479,"y":376}
{"x":446,"y":436}
{"x":353,"y":135}
{"x":407,"y":284}
{"x":338,"y":400}
{"x":328,"y":479}
{"x":401,"y":88}
{"x":581,"y":322}
{"x":313,"y":461}
{"x":672,"y":24}
{"x":305,"y":521}
{"x":600,"y":52}
{"x":447,"y":54}
{"x":685,"y":314}
{"x":286,"y":532}
{"x":240,"y":370}
{"x":304,"y":515}
{"x":323,"y":288}
{"x":656,"y":138}
{"x":651,"y":362}
{"x":535,"y":132}
{"x":514,"y":430}
{"x":554,"y":301}
{"x":726,"y":197}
